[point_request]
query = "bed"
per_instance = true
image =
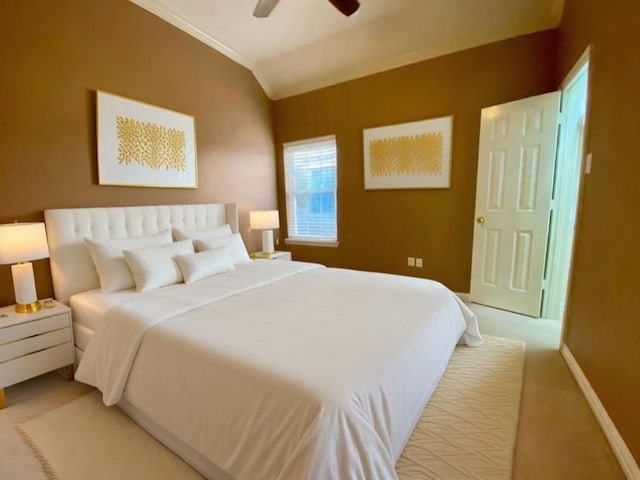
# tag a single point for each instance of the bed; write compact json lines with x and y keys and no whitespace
{"x":277,"y":370}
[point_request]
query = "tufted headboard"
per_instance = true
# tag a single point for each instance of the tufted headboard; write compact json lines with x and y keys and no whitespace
{"x":72,"y":269}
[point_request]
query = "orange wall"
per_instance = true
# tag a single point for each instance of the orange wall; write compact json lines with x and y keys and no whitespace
{"x":55,"y":54}
{"x":603,"y":330}
{"x":379,"y":229}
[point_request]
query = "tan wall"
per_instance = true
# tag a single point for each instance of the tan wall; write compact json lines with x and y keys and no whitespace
{"x":55,"y":54}
{"x":379,"y":229}
{"x":603,"y":330}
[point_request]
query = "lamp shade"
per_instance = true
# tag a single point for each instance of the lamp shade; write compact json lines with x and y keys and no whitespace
{"x":264,"y":219}
{"x":22,"y":242}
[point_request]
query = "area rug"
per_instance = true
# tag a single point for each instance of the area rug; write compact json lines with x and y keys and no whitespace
{"x":86,"y":440}
{"x":467,"y":430}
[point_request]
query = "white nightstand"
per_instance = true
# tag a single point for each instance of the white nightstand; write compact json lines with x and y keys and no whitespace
{"x":277,"y":255}
{"x":34,"y":343}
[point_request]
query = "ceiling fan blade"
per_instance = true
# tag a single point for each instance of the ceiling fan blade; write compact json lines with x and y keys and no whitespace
{"x":264,"y":7}
{"x":347,"y":7}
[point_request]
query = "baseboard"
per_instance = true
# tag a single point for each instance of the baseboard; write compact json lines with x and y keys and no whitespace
{"x":618,"y":445}
{"x":465,"y":297}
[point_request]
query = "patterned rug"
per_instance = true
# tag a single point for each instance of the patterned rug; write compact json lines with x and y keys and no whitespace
{"x":468,"y":428}
{"x":467,"y":431}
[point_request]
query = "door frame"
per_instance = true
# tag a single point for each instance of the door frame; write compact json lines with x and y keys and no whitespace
{"x":585,"y":58}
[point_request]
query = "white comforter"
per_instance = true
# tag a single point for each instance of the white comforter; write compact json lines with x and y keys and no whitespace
{"x":283,"y":370}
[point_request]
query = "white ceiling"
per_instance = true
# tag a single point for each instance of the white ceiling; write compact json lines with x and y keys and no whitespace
{"x":308,"y":44}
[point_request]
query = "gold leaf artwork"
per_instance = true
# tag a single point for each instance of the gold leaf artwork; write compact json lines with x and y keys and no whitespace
{"x":152,"y":145}
{"x":408,"y":155}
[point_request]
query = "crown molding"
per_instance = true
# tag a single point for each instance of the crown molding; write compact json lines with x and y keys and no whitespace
{"x":277,"y":87}
{"x":176,"y":20}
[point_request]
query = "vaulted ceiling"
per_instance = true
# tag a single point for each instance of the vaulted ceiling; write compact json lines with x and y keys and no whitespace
{"x":308,"y":44}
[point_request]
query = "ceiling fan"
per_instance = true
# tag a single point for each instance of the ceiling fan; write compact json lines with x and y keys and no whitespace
{"x":264,"y":7}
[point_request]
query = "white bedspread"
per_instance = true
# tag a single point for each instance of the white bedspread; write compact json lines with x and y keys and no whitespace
{"x":283,"y":370}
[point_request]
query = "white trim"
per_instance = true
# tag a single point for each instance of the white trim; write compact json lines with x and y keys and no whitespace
{"x":561,"y":230}
{"x":310,"y":84}
{"x":311,"y":243}
{"x":620,"y":449}
{"x":465,"y":297}
{"x":580,"y":65}
{"x":307,"y":141}
{"x":264,"y":83}
{"x":305,"y":155}
{"x":176,"y":20}
{"x":583,"y":62}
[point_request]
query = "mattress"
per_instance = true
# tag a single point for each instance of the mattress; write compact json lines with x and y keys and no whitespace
{"x":87,"y":310}
{"x":281,"y":369}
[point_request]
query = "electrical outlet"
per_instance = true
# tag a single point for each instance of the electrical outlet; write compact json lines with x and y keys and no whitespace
{"x":419,"y":262}
{"x":411,"y":261}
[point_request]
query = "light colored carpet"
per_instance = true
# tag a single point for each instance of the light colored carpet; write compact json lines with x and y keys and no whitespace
{"x":467,"y":430}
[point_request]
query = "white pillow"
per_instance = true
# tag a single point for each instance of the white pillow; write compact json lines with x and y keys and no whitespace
{"x":109,"y":260}
{"x":154,"y":267}
{"x":233,"y":242}
{"x":205,"y":264}
{"x":221,"y":231}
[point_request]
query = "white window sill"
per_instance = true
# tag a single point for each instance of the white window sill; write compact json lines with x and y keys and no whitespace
{"x":311,"y":242}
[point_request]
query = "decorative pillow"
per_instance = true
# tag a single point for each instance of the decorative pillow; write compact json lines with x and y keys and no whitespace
{"x":233,"y":242}
{"x":154,"y":267}
{"x":204,"y":264}
{"x":109,"y":260}
{"x":221,"y":231}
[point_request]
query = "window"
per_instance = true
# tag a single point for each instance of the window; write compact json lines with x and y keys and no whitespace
{"x":310,"y":171}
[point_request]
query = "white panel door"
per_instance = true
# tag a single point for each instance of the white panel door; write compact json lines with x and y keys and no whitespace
{"x":513,"y":194}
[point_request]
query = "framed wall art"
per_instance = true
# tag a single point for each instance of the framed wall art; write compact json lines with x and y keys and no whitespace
{"x":143,"y":145}
{"x":408,"y":155}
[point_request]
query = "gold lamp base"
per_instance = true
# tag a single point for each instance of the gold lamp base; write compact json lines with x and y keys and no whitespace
{"x":28,"y":307}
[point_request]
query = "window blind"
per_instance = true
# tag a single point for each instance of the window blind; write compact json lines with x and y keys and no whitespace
{"x":311,"y":183}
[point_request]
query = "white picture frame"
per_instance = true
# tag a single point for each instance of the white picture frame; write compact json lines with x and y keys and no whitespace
{"x":143,"y":145}
{"x":408,"y":155}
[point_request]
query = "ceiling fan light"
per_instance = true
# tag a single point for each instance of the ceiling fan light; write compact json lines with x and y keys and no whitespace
{"x":264,"y":7}
{"x":347,"y":7}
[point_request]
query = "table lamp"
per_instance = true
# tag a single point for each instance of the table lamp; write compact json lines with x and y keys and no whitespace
{"x":19,"y":244}
{"x":265,"y":220}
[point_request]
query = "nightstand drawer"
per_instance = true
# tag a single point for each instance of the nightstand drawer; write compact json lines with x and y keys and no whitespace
{"x":29,"y":366}
{"x":19,"y":348}
{"x":35,"y":327}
